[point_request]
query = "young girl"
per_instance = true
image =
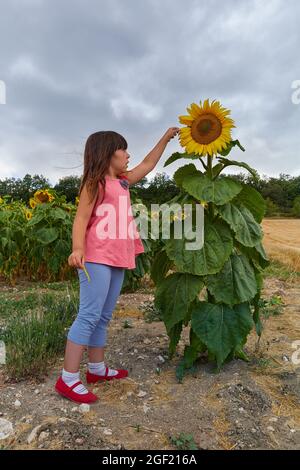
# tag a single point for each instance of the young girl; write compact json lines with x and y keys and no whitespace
{"x":100,"y":260}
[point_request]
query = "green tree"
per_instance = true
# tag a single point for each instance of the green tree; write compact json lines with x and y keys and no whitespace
{"x":23,"y":189}
{"x":296,"y":207}
{"x":68,"y":186}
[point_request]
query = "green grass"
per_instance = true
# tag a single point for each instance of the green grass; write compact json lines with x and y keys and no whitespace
{"x":184,"y":441}
{"x":34,"y":330}
{"x":280,"y":271}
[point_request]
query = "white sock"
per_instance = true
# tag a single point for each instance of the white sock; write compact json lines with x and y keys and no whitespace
{"x":99,"y":368}
{"x":70,"y":378}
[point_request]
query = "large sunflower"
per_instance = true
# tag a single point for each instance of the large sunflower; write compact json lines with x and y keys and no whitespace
{"x":208,"y":128}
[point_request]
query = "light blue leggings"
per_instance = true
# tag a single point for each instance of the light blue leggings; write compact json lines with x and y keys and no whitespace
{"x":97,"y":302}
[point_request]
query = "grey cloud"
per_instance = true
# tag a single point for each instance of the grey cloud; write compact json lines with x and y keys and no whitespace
{"x":74,"y":67}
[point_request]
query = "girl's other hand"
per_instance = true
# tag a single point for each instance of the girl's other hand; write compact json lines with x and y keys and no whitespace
{"x":76,"y":259}
{"x":171,"y":132}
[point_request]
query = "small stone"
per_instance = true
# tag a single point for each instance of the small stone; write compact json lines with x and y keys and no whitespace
{"x":285,"y":358}
{"x":79,"y":440}
{"x":74,"y":409}
{"x":44,"y":435}
{"x":107,"y":432}
{"x":142,"y":394}
{"x":17,"y":403}
{"x":270,"y":428}
{"x":145,"y":408}
{"x":129,"y":394}
{"x":84,"y":408}
{"x":273,"y":420}
{"x":6,"y":428}
{"x":36,"y":391}
{"x":161,"y":359}
{"x":141,"y":357}
{"x":147,"y":341}
{"x":32,"y":436}
{"x":135,"y":350}
{"x":241,"y":409}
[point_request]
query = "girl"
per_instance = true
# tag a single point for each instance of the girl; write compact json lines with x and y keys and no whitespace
{"x":101,"y":261}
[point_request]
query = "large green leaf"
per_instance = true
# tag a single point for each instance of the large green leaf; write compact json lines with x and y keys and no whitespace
{"x":184,"y":171}
{"x":174,"y":335}
{"x":219,"y":191}
{"x":174,"y":295}
{"x":231,"y":144}
{"x":235,"y":283}
{"x":218,"y":244}
{"x":221,"y":328}
{"x":46,"y":236}
{"x":227,"y":162}
{"x":177,"y":155}
{"x":253,"y":200}
{"x":160,"y":266}
{"x":247,"y":230}
{"x":36,"y":218}
{"x":58,"y":213}
{"x":256,"y":253}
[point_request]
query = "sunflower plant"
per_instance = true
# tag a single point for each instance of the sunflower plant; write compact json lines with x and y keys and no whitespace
{"x":216,"y":289}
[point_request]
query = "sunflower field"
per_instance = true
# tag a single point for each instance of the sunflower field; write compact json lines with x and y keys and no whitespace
{"x":215,"y":289}
{"x":36,"y":240}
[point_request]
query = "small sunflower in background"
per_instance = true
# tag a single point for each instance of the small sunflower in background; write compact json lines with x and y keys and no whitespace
{"x":43,"y":195}
{"x":28,"y":214}
{"x":208,"y":128}
{"x":32,"y":203}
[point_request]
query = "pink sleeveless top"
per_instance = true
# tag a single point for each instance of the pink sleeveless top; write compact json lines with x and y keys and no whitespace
{"x":111,"y":236}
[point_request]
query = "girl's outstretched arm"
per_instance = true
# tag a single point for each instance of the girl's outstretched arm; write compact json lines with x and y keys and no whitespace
{"x":150,"y":161}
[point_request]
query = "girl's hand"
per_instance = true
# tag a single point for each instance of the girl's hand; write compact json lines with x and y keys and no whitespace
{"x":76,"y":259}
{"x":171,"y":132}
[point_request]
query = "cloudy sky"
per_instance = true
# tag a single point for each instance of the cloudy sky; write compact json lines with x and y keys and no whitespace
{"x":72,"y":67}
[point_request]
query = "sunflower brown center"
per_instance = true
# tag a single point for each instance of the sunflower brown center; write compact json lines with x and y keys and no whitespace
{"x":206,"y":128}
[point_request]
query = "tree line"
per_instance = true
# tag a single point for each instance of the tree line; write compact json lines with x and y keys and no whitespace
{"x":282,"y":194}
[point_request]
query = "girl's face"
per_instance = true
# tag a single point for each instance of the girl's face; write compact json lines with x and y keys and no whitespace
{"x":119,"y":161}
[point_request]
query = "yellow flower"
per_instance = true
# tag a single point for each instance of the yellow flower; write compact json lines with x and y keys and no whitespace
{"x":77,"y":201}
{"x":32,"y":203}
{"x":203,"y":204}
{"x":208,"y":128}
{"x":43,"y":195}
{"x":28,"y":214}
{"x":1,"y":200}
{"x":178,"y":217}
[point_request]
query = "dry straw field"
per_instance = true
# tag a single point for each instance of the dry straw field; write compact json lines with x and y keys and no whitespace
{"x":282,"y":241}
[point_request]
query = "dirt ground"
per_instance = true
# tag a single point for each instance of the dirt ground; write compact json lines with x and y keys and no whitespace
{"x":251,"y":405}
{"x":246,"y":406}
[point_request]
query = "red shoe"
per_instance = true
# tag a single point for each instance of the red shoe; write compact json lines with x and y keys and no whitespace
{"x":93,"y":378}
{"x":63,"y":389}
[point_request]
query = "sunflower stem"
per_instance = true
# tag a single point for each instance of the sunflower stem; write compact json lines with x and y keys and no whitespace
{"x":210,"y":175}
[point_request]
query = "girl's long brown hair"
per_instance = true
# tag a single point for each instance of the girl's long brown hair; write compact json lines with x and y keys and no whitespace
{"x":99,"y":149}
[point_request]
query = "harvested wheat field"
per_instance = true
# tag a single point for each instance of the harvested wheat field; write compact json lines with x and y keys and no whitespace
{"x":282,"y":241}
